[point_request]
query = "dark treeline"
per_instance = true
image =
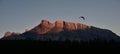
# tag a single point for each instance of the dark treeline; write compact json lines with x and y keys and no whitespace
{"x":60,"y":44}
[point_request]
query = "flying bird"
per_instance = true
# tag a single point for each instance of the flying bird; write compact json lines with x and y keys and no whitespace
{"x":82,"y":17}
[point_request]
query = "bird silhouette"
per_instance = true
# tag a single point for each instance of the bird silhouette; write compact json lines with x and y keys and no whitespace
{"x":82,"y":17}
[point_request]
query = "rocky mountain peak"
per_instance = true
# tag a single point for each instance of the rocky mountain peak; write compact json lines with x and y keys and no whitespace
{"x":46,"y":27}
{"x":7,"y":34}
{"x":61,"y":31}
{"x":44,"y":23}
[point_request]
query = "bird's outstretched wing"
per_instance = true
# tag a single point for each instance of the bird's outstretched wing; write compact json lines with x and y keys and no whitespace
{"x":82,"y":17}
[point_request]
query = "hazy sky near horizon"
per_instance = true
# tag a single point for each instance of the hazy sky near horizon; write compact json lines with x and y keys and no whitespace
{"x":18,"y":15}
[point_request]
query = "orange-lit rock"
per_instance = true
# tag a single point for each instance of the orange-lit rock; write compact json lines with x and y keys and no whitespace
{"x":70,"y":26}
{"x":59,"y":23}
{"x":15,"y":33}
{"x":45,"y":23}
{"x":43,"y":27}
{"x":7,"y":34}
{"x":59,"y":26}
{"x":51,"y":25}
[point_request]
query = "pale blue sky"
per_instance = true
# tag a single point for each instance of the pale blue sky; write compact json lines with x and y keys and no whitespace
{"x":18,"y":15}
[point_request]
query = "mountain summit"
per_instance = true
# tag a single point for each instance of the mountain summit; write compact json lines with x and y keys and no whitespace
{"x":61,"y":31}
{"x":59,"y":26}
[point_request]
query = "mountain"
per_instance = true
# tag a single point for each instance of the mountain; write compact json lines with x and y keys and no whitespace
{"x":61,"y":31}
{"x":57,"y":27}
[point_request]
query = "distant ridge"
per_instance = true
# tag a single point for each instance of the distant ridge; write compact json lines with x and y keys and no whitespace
{"x":59,"y":26}
{"x":61,"y":31}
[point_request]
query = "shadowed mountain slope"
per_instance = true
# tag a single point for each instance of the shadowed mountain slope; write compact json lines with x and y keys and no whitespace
{"x":61,"y":31}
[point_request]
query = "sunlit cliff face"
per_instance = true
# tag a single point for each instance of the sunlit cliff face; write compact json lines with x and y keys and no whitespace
{"x":62,"y":30}
{"x":7,"y":34}
{"x":47,"y":27}
{"x":59,"y":26}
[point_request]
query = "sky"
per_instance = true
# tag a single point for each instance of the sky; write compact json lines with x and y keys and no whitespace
{"x":18,"y":15}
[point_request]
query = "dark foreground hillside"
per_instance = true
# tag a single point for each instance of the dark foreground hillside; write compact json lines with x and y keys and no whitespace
{"x":61,"y":35}
{"x":96,"y":44}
